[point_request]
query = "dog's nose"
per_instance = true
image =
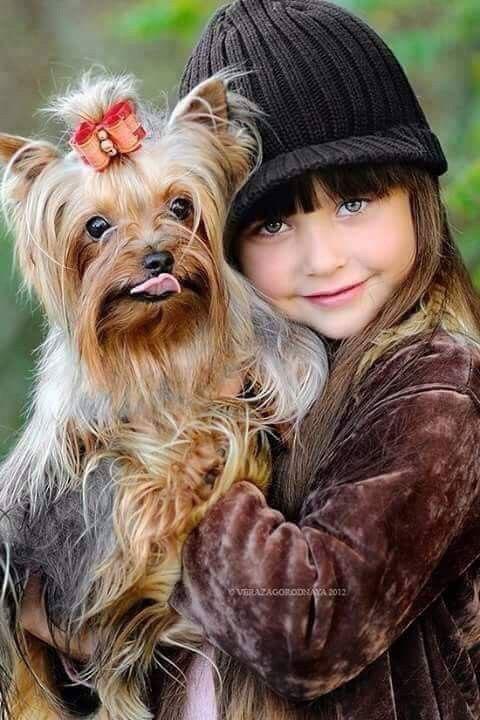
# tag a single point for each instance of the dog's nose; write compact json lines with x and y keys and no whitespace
{"x":159,"y":262}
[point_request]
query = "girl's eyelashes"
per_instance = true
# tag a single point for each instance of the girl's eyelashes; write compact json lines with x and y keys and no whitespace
{"x":278,"y":225}
{"x":275,"y":226}
{"x":354,"y":206}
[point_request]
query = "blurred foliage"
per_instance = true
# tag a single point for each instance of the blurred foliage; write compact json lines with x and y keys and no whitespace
{"x":437,"y":42}
{"x":148,"y":21}
{"x":20,"y":334}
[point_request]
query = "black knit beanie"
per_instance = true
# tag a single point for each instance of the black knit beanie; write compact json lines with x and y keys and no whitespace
{"x":332,"y":91}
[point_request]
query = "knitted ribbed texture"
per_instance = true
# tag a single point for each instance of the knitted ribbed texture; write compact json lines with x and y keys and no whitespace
{"x":332,"y":91}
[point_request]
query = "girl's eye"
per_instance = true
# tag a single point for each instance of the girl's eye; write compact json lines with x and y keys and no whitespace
{"x":97,"y":226}
{"x":272,"y":227}
{"x":353,"y":207}
{"x":181,"y":207}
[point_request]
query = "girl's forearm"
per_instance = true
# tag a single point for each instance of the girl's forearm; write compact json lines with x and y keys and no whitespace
{"x":309,"y":605}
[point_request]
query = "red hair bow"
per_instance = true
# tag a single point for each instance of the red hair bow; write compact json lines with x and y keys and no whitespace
{"x":117,"y":132}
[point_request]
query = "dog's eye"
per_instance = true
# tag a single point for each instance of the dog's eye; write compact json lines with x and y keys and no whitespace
{"x":97,"y":226}
{"x":181,"y":207}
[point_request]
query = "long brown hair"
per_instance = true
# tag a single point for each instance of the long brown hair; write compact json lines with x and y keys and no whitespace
{"x":438,"y":292}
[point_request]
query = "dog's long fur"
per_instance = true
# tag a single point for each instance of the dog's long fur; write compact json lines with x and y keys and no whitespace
{"x":96,"y":498}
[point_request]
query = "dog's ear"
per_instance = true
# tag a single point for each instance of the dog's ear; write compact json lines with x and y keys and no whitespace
{"x":9,"y":145}
{"x":231,"y":118}
{"x":206,"y":103}
{"x":26,"y":159}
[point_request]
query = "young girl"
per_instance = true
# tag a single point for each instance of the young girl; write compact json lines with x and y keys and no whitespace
{"x":352,"y":590}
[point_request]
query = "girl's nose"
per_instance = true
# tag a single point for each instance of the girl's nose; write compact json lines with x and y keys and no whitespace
{"x":323,"y":251}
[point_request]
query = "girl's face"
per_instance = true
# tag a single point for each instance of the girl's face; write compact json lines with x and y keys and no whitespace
{"x":365,"y":242}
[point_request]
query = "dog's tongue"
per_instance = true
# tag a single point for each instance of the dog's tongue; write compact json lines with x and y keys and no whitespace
{"x":158,"y":285}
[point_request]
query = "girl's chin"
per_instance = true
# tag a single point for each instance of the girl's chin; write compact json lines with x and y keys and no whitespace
{"x":336,"y":323}
{"x":335,"y":328}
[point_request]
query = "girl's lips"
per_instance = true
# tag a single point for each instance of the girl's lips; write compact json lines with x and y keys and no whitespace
{"x":339,"y":298}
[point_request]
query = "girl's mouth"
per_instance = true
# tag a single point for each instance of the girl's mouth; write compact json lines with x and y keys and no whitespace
{"x":338,"y":298}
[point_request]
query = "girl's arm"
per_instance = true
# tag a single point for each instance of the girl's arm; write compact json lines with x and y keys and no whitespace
{"x":309,"y":605}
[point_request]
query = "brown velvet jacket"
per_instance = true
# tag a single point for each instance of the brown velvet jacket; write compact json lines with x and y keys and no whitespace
{"x":383,"y":611}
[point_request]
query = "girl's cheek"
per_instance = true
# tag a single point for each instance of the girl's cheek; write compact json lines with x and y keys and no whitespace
{"x":385,"y":247}
{"x":394,"y":255}
{"x":390,"y":245}
{"x":268,"y":268}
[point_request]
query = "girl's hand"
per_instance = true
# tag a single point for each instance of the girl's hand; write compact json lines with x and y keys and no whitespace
{"x":33,"y":619}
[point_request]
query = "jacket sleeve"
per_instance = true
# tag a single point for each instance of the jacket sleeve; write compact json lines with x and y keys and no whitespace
{"x":309,"y":605}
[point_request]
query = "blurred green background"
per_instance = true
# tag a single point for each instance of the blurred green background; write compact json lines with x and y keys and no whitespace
{"x":46,"y":43}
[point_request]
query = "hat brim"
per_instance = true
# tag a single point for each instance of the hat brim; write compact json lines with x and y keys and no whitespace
{"x":409,"y":144}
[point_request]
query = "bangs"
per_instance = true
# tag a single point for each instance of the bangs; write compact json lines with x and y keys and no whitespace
{"x":304,"y":194}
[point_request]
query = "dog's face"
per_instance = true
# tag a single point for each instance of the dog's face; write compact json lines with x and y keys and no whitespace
{"x":130,"y":257}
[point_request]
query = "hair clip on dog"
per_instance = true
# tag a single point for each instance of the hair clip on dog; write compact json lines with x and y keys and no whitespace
{"x":118,"y":132}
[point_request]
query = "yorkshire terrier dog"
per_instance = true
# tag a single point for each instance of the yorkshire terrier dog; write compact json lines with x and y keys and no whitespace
{"x":120,"y":238}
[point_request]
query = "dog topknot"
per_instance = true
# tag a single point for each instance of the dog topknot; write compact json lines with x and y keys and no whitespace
{"x":91,"y":97}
